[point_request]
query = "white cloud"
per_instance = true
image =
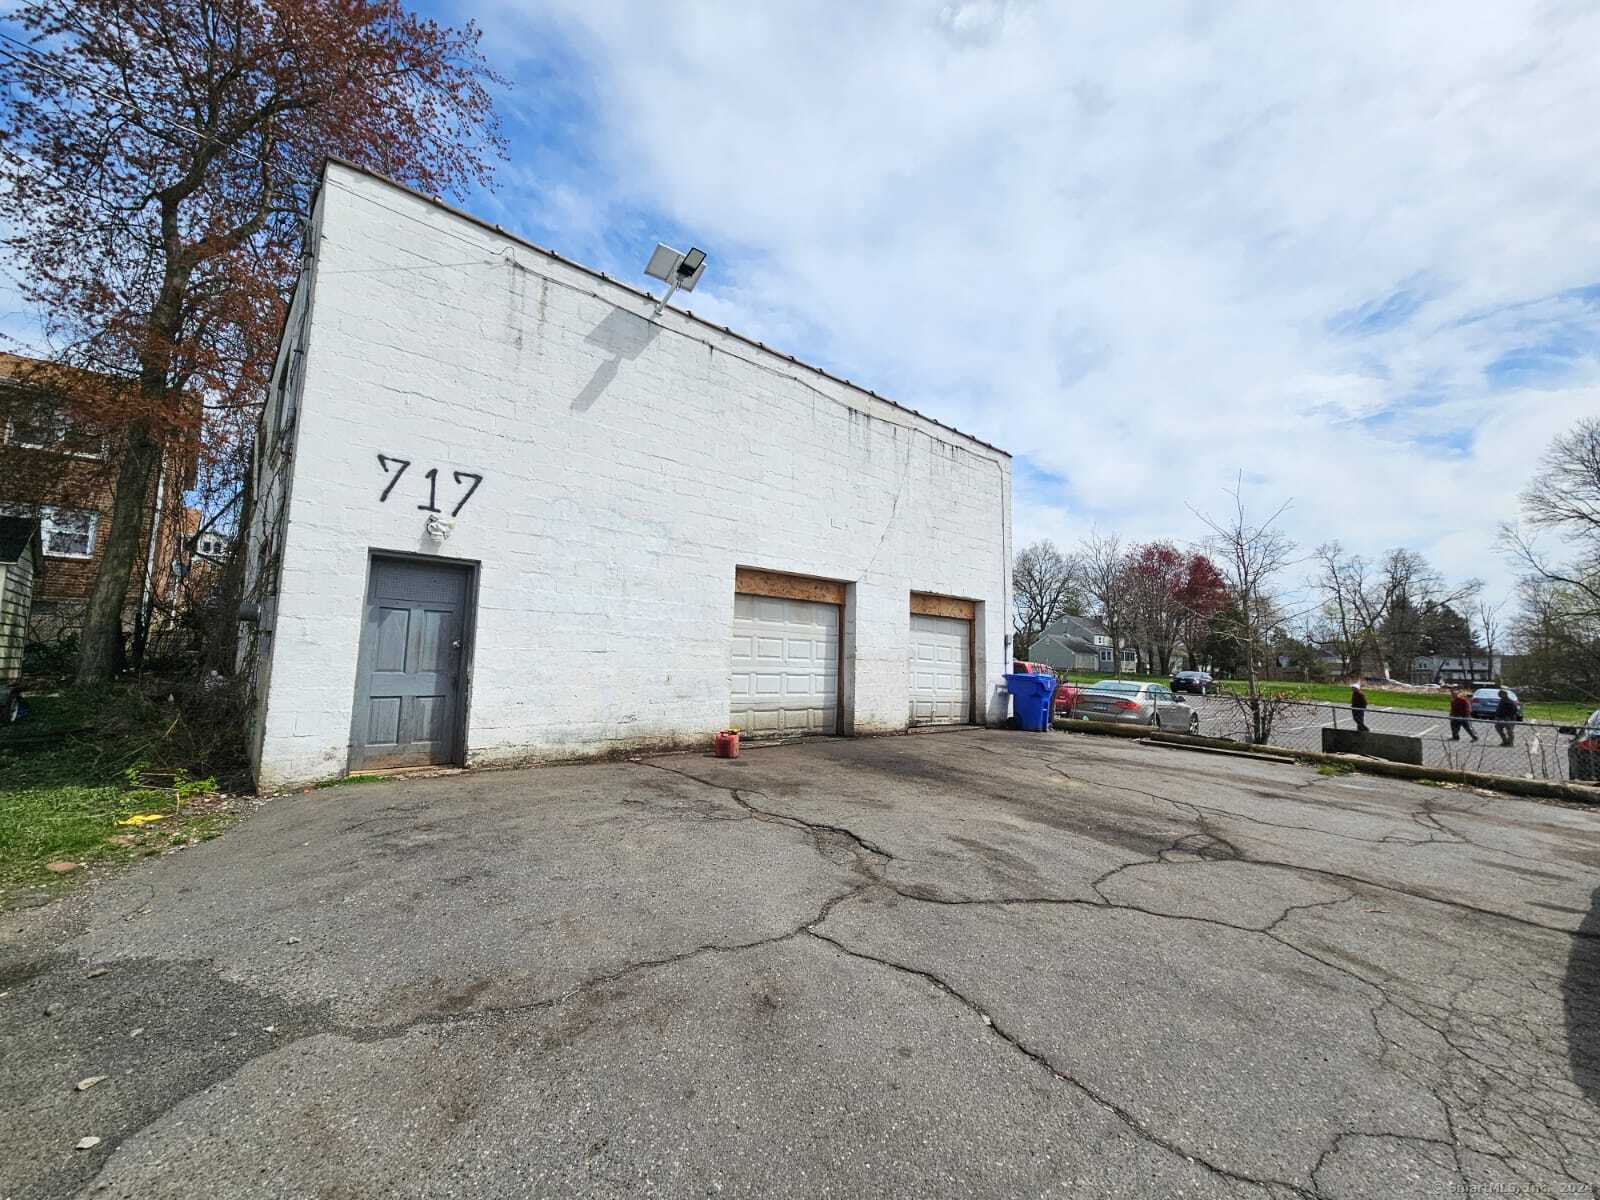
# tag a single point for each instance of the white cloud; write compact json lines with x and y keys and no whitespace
{"x":1136,"y":245}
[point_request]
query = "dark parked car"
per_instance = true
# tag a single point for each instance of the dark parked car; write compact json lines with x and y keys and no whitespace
{"x":1485,"y":702}
{"x":1198,"y":682}
{"x":1583,"y":754}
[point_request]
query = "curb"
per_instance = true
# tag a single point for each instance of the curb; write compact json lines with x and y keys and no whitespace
{"x":1543,"y":789}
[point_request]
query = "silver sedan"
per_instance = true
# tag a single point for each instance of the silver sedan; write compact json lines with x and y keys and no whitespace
{"x":1129,"y":702}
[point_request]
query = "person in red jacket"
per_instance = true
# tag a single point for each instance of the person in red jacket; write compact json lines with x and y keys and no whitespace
{"x":1460,"y":715}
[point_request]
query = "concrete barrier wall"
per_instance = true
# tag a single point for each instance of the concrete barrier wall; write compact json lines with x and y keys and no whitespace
{"x":1396,"y":747}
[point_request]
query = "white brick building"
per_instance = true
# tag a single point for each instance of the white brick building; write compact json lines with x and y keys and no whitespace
{"x":651,"y":528}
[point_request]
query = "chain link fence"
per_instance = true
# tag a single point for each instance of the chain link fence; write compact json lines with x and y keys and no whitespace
{"x":1521,"y":749}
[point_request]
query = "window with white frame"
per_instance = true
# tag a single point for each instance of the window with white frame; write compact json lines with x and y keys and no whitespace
{"x":39,"y":423}
{"x":1101,"y":639}
{"x":68,"y":532}
{"x":212,"y":545}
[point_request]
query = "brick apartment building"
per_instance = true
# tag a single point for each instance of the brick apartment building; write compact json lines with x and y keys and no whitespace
{"x":62,"y":469}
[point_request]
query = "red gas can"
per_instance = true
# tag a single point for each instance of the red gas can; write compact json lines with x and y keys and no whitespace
{"x":726,"y":744}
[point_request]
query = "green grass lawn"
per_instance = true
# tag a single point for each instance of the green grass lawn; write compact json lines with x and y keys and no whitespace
{"x":79,"y":766}
{"x":1564,"y":712}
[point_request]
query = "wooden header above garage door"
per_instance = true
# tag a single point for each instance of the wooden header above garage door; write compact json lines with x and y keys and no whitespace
{"x":753,"y":582}
{"x":926,"y":604}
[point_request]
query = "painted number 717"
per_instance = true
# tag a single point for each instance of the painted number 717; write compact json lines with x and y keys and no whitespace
{"x":395,"y":467}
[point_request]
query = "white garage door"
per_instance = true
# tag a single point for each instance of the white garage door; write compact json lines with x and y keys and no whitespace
{"x":785,"y":665}
{"x":941,"y":674}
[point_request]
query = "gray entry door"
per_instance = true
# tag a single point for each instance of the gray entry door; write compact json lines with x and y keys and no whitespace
{"x":408,"y":681}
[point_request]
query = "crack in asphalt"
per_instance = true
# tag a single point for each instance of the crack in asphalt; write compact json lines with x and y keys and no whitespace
{"x":1533,"y":1088}
{"x":763,"y":814}
{"x":1531,"y":1083}
{"x":436,"y":1018}
{"x":869,"y":859}
{"x":1349,"y":1134}
{"x":1199,"y":813}
{"x":1219,"y":848}
{"x":1206,"y":844}
{"x":1041,"y":1060}
{"x":1427,"y":816}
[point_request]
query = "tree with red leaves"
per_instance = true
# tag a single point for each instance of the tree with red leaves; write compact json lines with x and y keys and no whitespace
{"x":1155,"y":572}
{"x":1201,"y":595}
{"x":1171,"y":598}
{"x":158,"y":158}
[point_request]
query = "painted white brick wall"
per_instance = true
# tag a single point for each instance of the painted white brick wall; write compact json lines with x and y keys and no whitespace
{"x":629,"y":466}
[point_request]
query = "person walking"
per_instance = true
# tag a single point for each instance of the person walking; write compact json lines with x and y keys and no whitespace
{"x":1358,"y":706}
{"x":1505,"y":719}
{"x":1460,"y":715}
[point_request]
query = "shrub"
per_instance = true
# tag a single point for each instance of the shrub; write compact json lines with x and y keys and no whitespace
{"x":57,"y":657}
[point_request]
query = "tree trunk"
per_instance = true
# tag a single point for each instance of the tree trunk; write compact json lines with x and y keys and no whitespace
{"x":144,"y":611}
{"x":101,"y":649}
{"x":1253,"y":679}
{"x":100,"y":652}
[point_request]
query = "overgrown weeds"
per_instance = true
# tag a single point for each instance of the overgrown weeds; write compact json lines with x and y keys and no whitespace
{"x":347,"y":780}
{"x":117,"y":771}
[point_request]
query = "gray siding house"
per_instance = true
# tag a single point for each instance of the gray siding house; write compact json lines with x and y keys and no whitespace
{"x":21,"y":563}
{"x":1080,"y":644}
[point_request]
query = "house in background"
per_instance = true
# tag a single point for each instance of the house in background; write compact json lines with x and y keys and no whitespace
{"x":195,"y":574}
{"x":213,"y":547}
{"x":62,"y":471}
{"x":21,"y":566}
{"x":1434,"y":670}
{"x":1081,"y":644}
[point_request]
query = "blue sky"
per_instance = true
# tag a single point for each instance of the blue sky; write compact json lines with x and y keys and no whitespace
{"x":1348,"y":250}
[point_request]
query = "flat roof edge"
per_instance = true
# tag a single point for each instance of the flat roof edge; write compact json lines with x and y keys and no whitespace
{"x":643,"y":295}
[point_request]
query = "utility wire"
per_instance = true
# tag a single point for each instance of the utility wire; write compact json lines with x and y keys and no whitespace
{"x":35,"y":171}
{"x":128,"y":104}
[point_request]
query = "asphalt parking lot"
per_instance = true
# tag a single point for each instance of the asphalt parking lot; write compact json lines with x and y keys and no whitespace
{"x":979,"y":963}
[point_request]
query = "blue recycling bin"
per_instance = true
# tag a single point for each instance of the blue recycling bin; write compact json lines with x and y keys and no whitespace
{"x":1030,"y":700}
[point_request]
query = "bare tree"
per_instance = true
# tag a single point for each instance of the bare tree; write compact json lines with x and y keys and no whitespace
{"x":1379,"y":608}
{"x":1046,"y":585}
{"x":1105,"y":580}
{"x":1559,"y":624}
{"x":1564,"y":497}
{"x":1487,"y":619}
{"x":1339,"y":610}
{"x":1251,"y":554}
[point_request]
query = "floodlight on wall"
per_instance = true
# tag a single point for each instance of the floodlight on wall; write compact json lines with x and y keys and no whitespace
{"x":675,"y":270}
